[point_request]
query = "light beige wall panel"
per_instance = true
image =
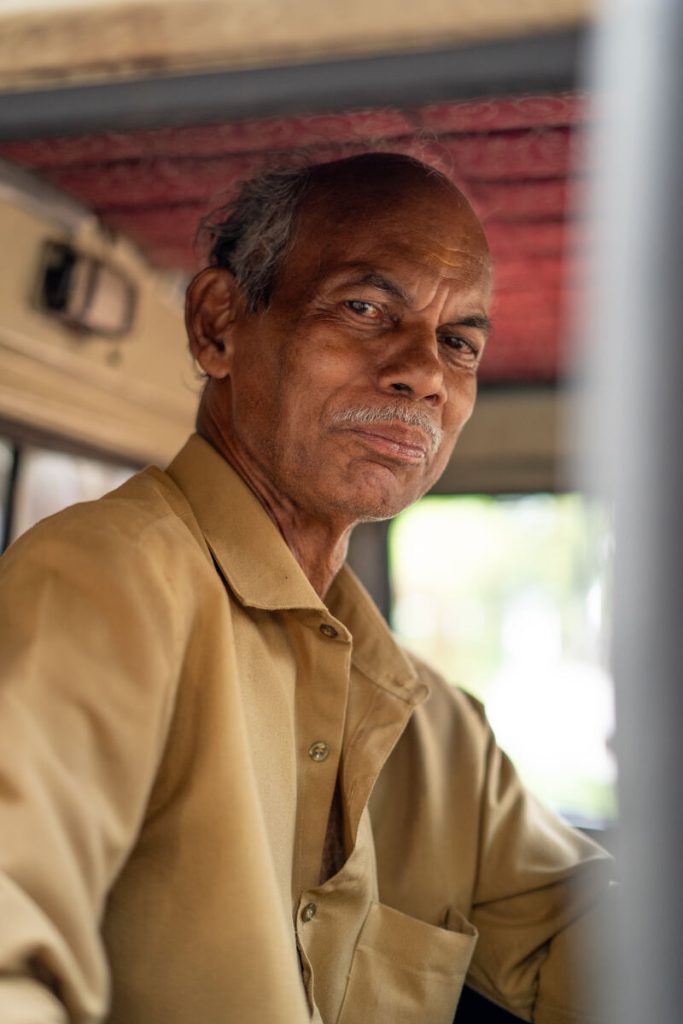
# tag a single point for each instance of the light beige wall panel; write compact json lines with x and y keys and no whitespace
{"x":517,"y":440}
{"x":45,"y":42}
{"x":136,"y":396}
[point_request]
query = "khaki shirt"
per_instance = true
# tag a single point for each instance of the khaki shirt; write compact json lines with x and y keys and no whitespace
{"x":176,"y":704}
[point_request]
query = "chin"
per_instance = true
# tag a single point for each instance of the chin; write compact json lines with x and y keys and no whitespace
{"x":369,"y":491}
{"x":371,"y":503}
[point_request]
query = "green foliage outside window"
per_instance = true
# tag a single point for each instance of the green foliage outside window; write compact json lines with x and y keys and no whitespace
{"x":507,"y":597}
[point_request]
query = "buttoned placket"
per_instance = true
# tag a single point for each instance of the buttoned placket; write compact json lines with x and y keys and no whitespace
{"x":329,"y":916}
{"x":321,"y":702}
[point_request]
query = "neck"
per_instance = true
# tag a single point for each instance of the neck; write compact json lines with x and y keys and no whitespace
{"x":320,"y":552}
{"x":319,"y":546}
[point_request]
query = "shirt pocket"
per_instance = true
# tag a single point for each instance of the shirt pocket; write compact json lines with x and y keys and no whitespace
{"x":405,"y":971}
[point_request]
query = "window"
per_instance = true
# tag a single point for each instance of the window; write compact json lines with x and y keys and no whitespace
{"x":507,"y":597}
{"x":48,"y":481}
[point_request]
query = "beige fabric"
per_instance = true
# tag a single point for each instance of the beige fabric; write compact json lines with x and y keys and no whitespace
{"x":163,"y":676}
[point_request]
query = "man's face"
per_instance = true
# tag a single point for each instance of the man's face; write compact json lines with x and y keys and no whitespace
{"x":348,"y":394}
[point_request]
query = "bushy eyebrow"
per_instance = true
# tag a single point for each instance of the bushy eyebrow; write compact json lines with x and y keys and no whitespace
{"x":375,"y":280}
{"x":481,"y":322}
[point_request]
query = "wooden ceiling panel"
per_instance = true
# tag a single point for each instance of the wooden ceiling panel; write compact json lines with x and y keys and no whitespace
{"x":87,"y":42}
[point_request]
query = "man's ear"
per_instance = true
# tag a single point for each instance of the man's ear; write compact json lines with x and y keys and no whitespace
{"x":211,"y":306}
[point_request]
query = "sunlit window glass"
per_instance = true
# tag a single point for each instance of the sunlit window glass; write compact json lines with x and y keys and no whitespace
{"x":507,"y":598}
{"x":49,"y":481}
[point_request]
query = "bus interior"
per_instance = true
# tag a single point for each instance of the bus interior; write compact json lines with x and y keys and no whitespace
{"x":123,"y":124}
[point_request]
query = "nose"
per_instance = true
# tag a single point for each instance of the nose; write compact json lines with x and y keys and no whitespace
{"x":412,"y":367}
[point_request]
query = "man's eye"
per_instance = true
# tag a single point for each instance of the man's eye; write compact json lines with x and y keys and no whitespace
{"x":461,"y":346}
{"x":368,"y":310}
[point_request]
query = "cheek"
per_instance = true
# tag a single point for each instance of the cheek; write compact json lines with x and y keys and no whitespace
{"x":442,"y":458}
{"x":318,"y":375}
{"x":456,"y":414}
{"x":462,"y":394}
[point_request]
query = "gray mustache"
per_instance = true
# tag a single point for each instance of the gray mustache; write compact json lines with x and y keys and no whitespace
{"x":391,"y":414}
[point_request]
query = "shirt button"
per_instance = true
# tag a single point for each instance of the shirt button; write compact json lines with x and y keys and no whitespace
{"x":318,"y":751}
{"x":308,"y":913}
{"x":328,"y":630}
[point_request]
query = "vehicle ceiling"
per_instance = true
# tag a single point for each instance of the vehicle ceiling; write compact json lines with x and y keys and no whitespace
{"x":517,"y":158}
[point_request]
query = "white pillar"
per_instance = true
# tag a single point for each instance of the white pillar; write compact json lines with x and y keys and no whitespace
{"x":635,"y":334}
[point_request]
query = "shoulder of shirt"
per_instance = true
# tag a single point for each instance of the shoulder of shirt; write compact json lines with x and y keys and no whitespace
{"x":447,"y":699}
{"x":146,"y":514}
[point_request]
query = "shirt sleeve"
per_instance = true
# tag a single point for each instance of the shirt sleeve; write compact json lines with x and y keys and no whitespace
{"x":456,"y":830}
{"x":87,"y":673}
{"x":542,"y":903}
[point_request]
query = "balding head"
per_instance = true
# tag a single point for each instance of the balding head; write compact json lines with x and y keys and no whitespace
{"x":252,"y":234}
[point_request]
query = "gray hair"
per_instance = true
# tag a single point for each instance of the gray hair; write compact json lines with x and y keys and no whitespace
{"x":251,"y":233}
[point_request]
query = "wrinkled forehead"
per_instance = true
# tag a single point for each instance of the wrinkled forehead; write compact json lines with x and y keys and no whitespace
{"x":350,"y":217}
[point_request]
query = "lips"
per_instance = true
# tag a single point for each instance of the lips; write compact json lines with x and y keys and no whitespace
{"x":404,"y":444}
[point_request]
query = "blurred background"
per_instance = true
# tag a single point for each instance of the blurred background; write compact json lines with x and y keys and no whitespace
{"x":123,"y":123}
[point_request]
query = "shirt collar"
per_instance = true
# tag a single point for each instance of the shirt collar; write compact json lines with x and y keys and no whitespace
{"x":375,"y":651}
{"x":263,"y":573}
{"x":243,"y":539}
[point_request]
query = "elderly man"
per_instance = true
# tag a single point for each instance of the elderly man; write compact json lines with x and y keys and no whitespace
{"x":227,"y":794}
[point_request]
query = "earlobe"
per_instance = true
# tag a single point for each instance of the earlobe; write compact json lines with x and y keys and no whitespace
{"x":210,"y":309}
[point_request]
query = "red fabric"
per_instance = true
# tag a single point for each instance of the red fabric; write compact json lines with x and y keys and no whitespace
{"x":516,"y":159}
